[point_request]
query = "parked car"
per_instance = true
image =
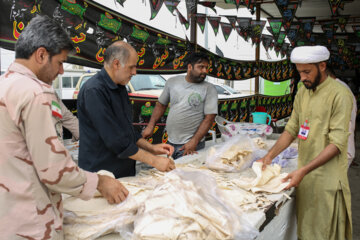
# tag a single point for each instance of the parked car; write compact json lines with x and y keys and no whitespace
{"x":225,"y":92}
{"x":65,"y":84}
{"x":142,"y":85}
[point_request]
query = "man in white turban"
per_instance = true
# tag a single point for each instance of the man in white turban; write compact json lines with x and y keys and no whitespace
{"x":320,"y":120}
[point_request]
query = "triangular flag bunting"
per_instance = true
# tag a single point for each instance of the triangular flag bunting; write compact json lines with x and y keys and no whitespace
{"x":275,"y":26}
{"x":214,"y":22}
{"x":235,"y":2}
{"x":329,"y":33}
{"x":334,"y":4}
{"x":182,"y":19}
{"x":244,"y":27}
{"x":210,"y":5}
{"x":121,"y":2}
{"x":226,"y":29}
{"x":342,"y":21}
{"x":356,"y":29}
{"x":256,"y":31}
{"x":340,"y":41}
{"x":288,"y":15}
{"x":155,"y":6}
{"x":201,"y":20}
{"x":284,"y":49}
{"x":281,"y":39}
{"x":307,"y":26}
{"x":232,"y":20}
{"x":293,"y":33}
{"x":250,"y":4}
{"x":171,"y":5}
{"x":266,"y":41}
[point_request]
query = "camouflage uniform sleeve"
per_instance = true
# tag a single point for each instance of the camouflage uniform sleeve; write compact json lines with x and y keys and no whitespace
{"x":53,"y":163}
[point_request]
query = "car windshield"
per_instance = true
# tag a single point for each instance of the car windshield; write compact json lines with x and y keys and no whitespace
{"x":230,"y":89}
{"x":147,"y":82}
{"x":84,"y":80}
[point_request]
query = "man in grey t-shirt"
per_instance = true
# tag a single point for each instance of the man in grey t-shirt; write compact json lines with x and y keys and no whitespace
{"x":193,"y":107}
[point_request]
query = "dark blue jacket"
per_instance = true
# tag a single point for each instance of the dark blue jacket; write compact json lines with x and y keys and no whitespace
{"x":107,"y":136}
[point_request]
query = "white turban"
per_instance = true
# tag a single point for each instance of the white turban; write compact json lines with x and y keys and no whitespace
{"x":309,"y":54}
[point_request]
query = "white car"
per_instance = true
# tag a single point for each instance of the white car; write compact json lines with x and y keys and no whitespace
{"x":226,"y":92}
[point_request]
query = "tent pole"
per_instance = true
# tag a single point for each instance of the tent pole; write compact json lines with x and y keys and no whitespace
{"x":193,"y":30}
{"x":257,"y":50}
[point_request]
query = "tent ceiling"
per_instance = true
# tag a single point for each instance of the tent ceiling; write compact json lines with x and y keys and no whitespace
{"x":308,"y":8}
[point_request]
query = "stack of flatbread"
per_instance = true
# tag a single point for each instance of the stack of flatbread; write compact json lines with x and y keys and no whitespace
{"x":233,"y":159}
{"x":268,"y":180}
{"x":96,"y":217}
{"x":182,"y":209}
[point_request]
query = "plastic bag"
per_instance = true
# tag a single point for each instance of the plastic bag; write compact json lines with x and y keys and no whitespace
{"x":89,"y":220}
{"x":188,"y":205}
{"x":283,"y":158}
{"x":233,"y":155}
{"x":229,"y":129}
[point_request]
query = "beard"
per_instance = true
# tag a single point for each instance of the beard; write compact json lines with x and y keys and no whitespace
{"x":197,"y":78}
{"x":313,"y":85}
{"x":47,"y":74}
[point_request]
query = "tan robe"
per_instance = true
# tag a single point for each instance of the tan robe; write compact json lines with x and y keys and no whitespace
{"x":35,"y":167}
{"x":323,"y":196}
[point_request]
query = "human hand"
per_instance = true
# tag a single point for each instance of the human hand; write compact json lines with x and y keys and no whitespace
{"x":111,"y":189}
{"x":189,"y":147}
{"x":163,"y":164}
{"x":163,"y":148}
{"x":265,"y":161}
{"x":147,"y":132}
{"x":295,"y":178}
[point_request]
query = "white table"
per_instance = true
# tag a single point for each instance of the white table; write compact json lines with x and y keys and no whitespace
{"x":277,"y":222}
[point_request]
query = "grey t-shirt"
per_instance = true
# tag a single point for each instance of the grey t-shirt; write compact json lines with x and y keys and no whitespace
{"x":189,"y":103}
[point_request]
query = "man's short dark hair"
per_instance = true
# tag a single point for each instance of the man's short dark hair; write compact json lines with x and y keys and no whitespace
{"x":45,"y":32}
{"x":197,"y":57}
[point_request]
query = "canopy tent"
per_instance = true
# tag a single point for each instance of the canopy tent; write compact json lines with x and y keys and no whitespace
{"x":93,"y":27}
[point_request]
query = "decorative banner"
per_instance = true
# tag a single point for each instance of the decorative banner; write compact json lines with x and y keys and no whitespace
{"x":201,"y":20}
{"x":235,"y":2}
{"x":256,"y":31}
{"x":340,"y":41}
{"x":334,"y":4}
{"x":288,"y":15}
{"x":282,"y":3}
{"x":92,"y":27}
{"x":266,"y":41}
{"x":342,"y":21}
{"x":191,"y":7}
{"x":329,"y":28}
{"x":280,"y":39}
{"x":210,"y":5}
{"x":214,"y":22}
{"x":284,"y":49}
{"x":307,"y":26}
{"x":171,"y":5}
{"x":329,"y":33}
{"x":293,"y":33}
{"x":300,"y":43}
{"x":226,"y":29}
{"x":155,"y":6}
{"x":356,"y":29}
{"x":232,"y":20}
{"x":275,"y":26}
{"x":121,"y":2}
{"x":250,"y":4}
{"x":183,"y":20}
{"x":244,"y":27}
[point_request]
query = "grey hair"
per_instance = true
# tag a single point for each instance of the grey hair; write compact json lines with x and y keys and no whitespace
{"x":42,"y":31}
{"x":117,"y":51}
